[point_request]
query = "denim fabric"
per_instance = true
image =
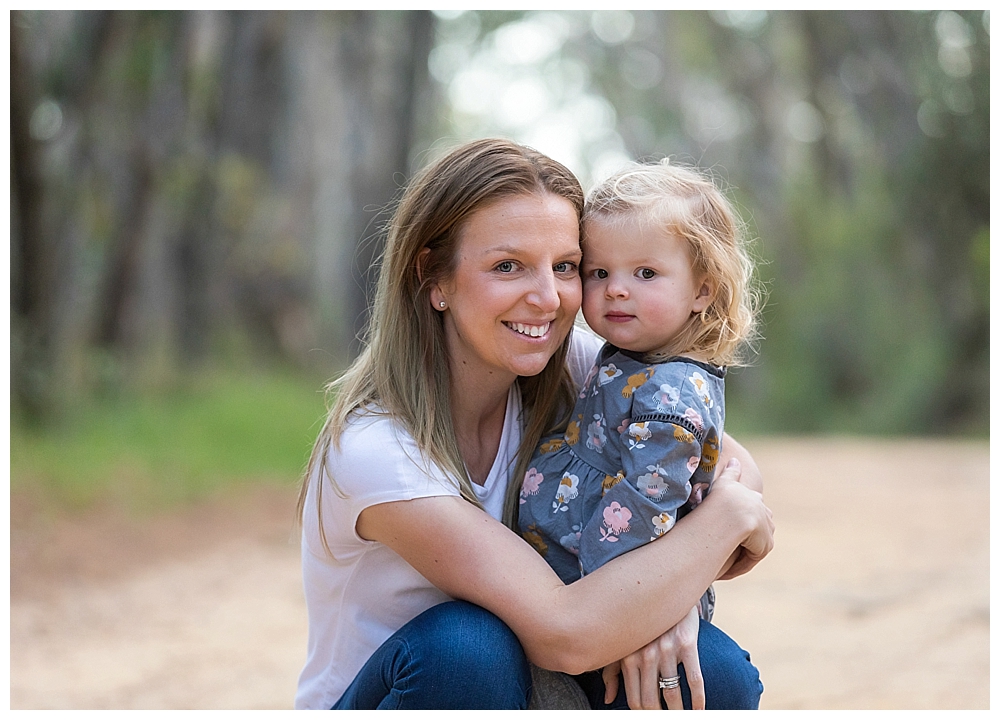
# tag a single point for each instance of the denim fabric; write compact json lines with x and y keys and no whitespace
{"x":453,"y":656}
{"x":731,"y":680}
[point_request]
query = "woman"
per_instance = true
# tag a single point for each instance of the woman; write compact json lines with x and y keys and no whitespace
{"x":469,"y":361}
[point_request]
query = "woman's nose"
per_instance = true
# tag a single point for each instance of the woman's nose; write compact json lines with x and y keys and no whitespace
{"x":545,"y":295}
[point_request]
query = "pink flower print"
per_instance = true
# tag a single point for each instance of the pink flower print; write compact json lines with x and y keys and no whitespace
{"x":693,"y":415}
{"x":693,"y":462}
{"x":652,"y":484}
{"x":616,"y":519}
{"x":571,"y":542}
{"x":666,"y":397}
{"x":595,"y":434}
{"x":608,"y":373}
{"x":532,"y":479}
{"x":662,"y":524}
{"x":624,"y":426}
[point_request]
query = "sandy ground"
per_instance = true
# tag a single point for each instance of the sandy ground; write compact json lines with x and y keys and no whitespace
{"x":876,"y":595}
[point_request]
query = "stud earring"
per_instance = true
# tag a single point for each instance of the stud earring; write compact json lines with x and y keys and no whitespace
{"x":442,"y":304}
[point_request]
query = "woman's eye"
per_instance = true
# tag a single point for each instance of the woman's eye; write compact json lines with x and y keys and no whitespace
{"x":565,"y":267}
{"x":646,"y":274}
{"x":506,"y":266}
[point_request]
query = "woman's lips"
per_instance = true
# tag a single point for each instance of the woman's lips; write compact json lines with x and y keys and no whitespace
{"x":530,"y":330}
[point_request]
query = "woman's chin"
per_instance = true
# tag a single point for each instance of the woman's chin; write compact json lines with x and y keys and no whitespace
{"x":530,"y":364}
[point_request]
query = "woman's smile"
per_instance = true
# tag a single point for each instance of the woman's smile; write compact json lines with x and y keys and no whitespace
{"x":515,"y":290}
{"x":534,"y":331}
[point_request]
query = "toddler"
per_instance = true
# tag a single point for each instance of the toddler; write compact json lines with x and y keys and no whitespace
{"x":667,"y":283}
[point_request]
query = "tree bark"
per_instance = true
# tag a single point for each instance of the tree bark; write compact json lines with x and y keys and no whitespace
{"x":385,"y":59}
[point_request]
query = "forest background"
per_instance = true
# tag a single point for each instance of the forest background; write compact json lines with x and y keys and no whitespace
{"x":197,"y":200}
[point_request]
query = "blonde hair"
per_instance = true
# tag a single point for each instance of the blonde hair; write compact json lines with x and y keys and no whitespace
{"x":685,"y":202}
{"x":403,"y":368}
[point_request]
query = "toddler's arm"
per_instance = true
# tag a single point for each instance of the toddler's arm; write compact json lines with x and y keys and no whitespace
{"x":669,"y":451}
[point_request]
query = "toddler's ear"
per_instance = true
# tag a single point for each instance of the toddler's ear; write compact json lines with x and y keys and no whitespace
{"x":705,"y":296}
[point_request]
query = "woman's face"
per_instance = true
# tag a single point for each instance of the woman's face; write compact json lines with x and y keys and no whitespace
{"x":516,"y":287}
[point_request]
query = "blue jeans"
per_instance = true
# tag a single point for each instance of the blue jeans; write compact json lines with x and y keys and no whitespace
{"x":454,"y":656}
{"x":731,"y":680}
{"x":457,"y":655}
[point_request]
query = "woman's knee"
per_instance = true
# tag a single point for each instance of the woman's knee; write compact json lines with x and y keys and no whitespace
{"x":479,"y":649}
{"x":731,"y":680}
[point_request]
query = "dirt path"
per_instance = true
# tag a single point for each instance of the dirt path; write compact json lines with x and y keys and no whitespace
{"x":876,"y":595}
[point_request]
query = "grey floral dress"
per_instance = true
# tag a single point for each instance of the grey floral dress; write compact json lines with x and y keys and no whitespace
{"x":639,"y":453}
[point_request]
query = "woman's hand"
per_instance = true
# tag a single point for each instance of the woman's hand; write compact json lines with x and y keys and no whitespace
{"x":643,"y":669}
{"x":760,"y":541}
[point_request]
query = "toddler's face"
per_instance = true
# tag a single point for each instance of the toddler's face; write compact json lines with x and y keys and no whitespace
{"x":639,"y":288}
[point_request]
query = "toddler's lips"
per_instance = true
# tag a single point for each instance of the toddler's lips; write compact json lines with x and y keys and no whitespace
{"x":618,"y":317}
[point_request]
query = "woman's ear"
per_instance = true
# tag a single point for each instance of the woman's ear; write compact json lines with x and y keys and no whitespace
{"x":705,"y":296}
{"x":436,"y":296}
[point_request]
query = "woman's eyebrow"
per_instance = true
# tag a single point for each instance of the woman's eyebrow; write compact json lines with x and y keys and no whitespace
{"x":504,"y":249}
{"x":514,"y":250}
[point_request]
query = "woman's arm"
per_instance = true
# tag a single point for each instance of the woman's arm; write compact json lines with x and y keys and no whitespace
{"x":590,"y":623}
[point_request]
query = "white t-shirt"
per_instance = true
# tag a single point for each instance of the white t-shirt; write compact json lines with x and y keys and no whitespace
{"x":365,"y":592}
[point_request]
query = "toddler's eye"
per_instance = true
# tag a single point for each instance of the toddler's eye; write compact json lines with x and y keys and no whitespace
{"x":646,"y":274}
{"x":600,"y":274}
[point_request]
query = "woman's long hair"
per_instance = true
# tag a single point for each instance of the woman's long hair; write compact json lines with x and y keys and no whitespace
{"x":403,"y":369}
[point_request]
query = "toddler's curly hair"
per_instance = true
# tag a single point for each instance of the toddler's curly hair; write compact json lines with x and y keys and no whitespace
{"x":684,"y":201}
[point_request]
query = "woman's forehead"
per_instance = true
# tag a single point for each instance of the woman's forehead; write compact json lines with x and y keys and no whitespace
{"x":513,"y":222}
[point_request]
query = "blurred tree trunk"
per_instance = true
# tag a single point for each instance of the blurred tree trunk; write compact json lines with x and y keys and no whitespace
{"x":216,"y":178}
{"x":47,"y":176}
{"x":142,"y":91}
{"x":385,"y":64}
{"x":31,"y":270}
{"x":122,"y":277}
{"x":194,"y":255}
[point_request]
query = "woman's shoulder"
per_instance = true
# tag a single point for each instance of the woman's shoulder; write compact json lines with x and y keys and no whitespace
{"x":376,"y":452}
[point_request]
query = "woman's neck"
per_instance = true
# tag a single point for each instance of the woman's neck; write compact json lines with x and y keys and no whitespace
{"x":477,"y":413}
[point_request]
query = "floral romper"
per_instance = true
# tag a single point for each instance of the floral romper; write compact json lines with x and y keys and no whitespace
{"x":639,"y":453}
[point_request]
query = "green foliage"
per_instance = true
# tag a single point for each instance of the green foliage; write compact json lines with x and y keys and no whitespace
{"x":190,"y":215}
{"x":851,"y":342}
{"x":221,"y":430}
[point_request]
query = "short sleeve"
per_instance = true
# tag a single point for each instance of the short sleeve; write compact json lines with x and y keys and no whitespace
{"x":376,"y":462}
